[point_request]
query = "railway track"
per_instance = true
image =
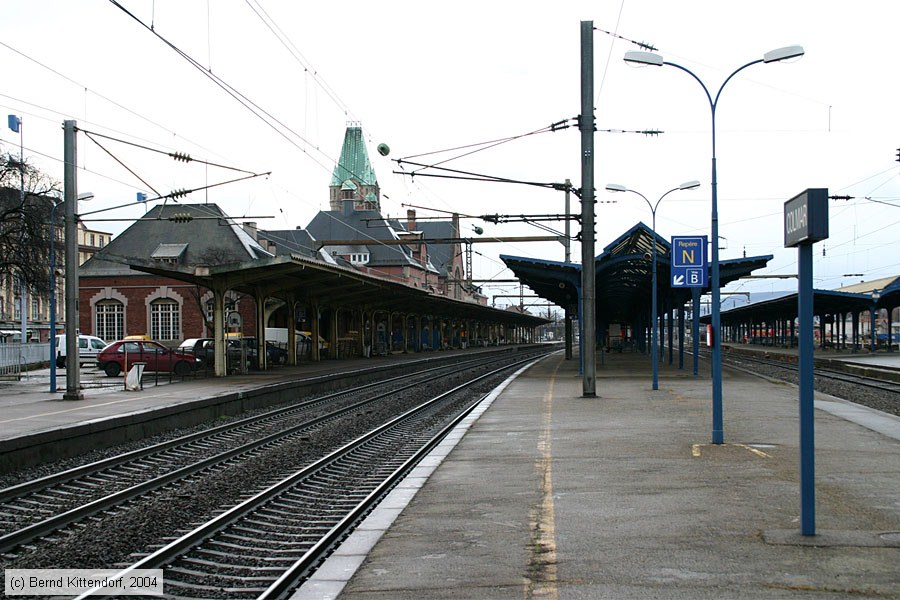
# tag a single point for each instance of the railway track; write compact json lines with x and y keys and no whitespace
{"x":879,"y":394}
{"x":35,"y":518}
{"x":869,"y":382}
{"x":39,"y":508}
{"x":268,"y":544}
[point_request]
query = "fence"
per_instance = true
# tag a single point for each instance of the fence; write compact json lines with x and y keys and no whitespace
{"x":15,"y":358}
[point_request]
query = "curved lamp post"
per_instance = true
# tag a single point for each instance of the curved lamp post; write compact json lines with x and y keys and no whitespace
{"x":82,"y":198}
{"x":654,"y":335}
{"x":650,"y":58}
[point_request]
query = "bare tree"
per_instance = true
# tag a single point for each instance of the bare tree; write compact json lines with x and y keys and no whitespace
{"x":212,"y":257}
{"x":24,"y":223}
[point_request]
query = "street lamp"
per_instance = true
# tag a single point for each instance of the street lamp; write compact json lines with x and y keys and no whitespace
{"x":654,"y":335}
{"x":84,"y":197}
{"x":15,"y":125}
{"x":650,"y":58}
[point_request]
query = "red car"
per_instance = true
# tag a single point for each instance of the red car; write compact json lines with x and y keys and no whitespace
{"x":119,"y":356}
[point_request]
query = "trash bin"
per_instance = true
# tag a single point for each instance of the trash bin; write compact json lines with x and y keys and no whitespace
{"x":133,"y":379}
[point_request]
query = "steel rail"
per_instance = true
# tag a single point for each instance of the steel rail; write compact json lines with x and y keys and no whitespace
{"x":49,"y":525}
{"x":171,"y":551}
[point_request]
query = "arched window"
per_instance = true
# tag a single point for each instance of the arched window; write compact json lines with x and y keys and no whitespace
{"x":165,"y":320}
{"x":110,"y":320}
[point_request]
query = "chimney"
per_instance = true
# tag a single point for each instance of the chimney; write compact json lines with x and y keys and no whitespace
{"x":250,"y":228}
{"x":411,"y":219}
{"x":348,"y":207}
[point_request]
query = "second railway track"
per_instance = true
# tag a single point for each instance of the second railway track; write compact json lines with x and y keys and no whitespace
{"x":197,"y":490}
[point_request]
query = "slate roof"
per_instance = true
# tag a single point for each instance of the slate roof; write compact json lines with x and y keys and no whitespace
{"x":441,"y":255}
{"x":211,"y":238}
{"x":364,"y":225}
{"x":290,"y":241}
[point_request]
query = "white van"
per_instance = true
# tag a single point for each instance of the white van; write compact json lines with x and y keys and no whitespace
{"x":88,"y":348}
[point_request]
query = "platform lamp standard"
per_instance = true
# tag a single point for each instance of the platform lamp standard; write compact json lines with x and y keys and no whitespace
{"x":650,"y":58}
{"x":654,"y":329}
{"x":84,"y":197}
{"x":15,"y":125}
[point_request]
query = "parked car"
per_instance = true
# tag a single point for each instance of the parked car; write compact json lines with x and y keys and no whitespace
{"x":323,"y":344}
{"x":119,"y":356}
{"x":275,"y":354}
{"x":88,"y":348}
{"x":202,"y":348}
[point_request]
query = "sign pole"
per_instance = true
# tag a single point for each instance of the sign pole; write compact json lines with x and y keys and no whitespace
{"x":805,"y":223}
{"x":807,"y":392}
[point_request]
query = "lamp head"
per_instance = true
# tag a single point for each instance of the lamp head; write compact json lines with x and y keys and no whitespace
{"x":786,"y":53}
{"x":615,"y":187}
{"x":644,"y":58}
{"x":689,"y":185}
{"x":85,"y":196}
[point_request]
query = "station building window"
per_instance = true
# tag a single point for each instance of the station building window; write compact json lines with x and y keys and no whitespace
{"x":165,"y":320}
{"x":110,"y":319}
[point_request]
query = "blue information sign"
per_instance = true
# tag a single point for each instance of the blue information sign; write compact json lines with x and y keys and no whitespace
{"x":689,"y":264}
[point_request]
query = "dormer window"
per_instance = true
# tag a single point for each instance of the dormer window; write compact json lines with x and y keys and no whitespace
{"x":171,"y":254}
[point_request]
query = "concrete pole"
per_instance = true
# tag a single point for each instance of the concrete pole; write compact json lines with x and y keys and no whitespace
{"x":220,"y":364}
{"x":70,"y":182}
{"x":586,"y":126}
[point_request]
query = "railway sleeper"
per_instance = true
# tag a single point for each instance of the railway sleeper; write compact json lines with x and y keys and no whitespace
{"x":220,"y":567}
{"x":206,"y":575}
{"x":232,"y":556}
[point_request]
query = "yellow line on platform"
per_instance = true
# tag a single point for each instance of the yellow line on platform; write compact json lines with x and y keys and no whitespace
{"x":541,"y":576}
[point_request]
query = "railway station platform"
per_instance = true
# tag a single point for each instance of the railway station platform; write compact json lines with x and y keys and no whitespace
{"x":552,"y":495}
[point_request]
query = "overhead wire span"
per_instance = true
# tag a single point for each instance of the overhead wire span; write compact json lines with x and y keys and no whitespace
{"x":260,"y":113}
{"x":641,"y":45}
{"x":471,"y":176}
{"x":559,"y":125}
{"x":270,"y":23}
{"x":178,"y":156}
{"x":180,"y":193}
{"x":126,"y":167}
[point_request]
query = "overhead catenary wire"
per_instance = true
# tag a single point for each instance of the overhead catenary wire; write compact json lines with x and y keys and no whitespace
{"x":180,"y":193}
{"x":279,"y":34}
{"x":277,"y":125}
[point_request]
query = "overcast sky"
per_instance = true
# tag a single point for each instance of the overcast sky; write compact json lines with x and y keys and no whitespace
{"x":423,"y":77}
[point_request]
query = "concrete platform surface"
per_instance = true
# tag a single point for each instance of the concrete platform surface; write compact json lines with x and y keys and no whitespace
{"x":551,"y":495}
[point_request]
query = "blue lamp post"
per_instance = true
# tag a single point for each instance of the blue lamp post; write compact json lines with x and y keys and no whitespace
{"x":53,"y":343}
{"x":15,"y":125}
{"x":654,"y":328}
{"x":650,"y":58}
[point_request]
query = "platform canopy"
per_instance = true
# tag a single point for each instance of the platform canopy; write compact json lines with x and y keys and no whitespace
{"x":623,"y":275}
{"x":856,"y":298}
{"x":310,"y":280}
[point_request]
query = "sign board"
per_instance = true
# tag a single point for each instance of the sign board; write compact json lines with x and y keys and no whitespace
{"x":234,"y":320}
{"x":689,"y":265}
{"x":806,"y":218}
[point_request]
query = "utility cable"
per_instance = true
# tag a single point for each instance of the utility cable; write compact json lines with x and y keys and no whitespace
{"x":266,"y":117}
{"x":126,"y":167}
{"x":180,"y":193}
{"x":179,"y":156}
{"x":270,"y":23}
